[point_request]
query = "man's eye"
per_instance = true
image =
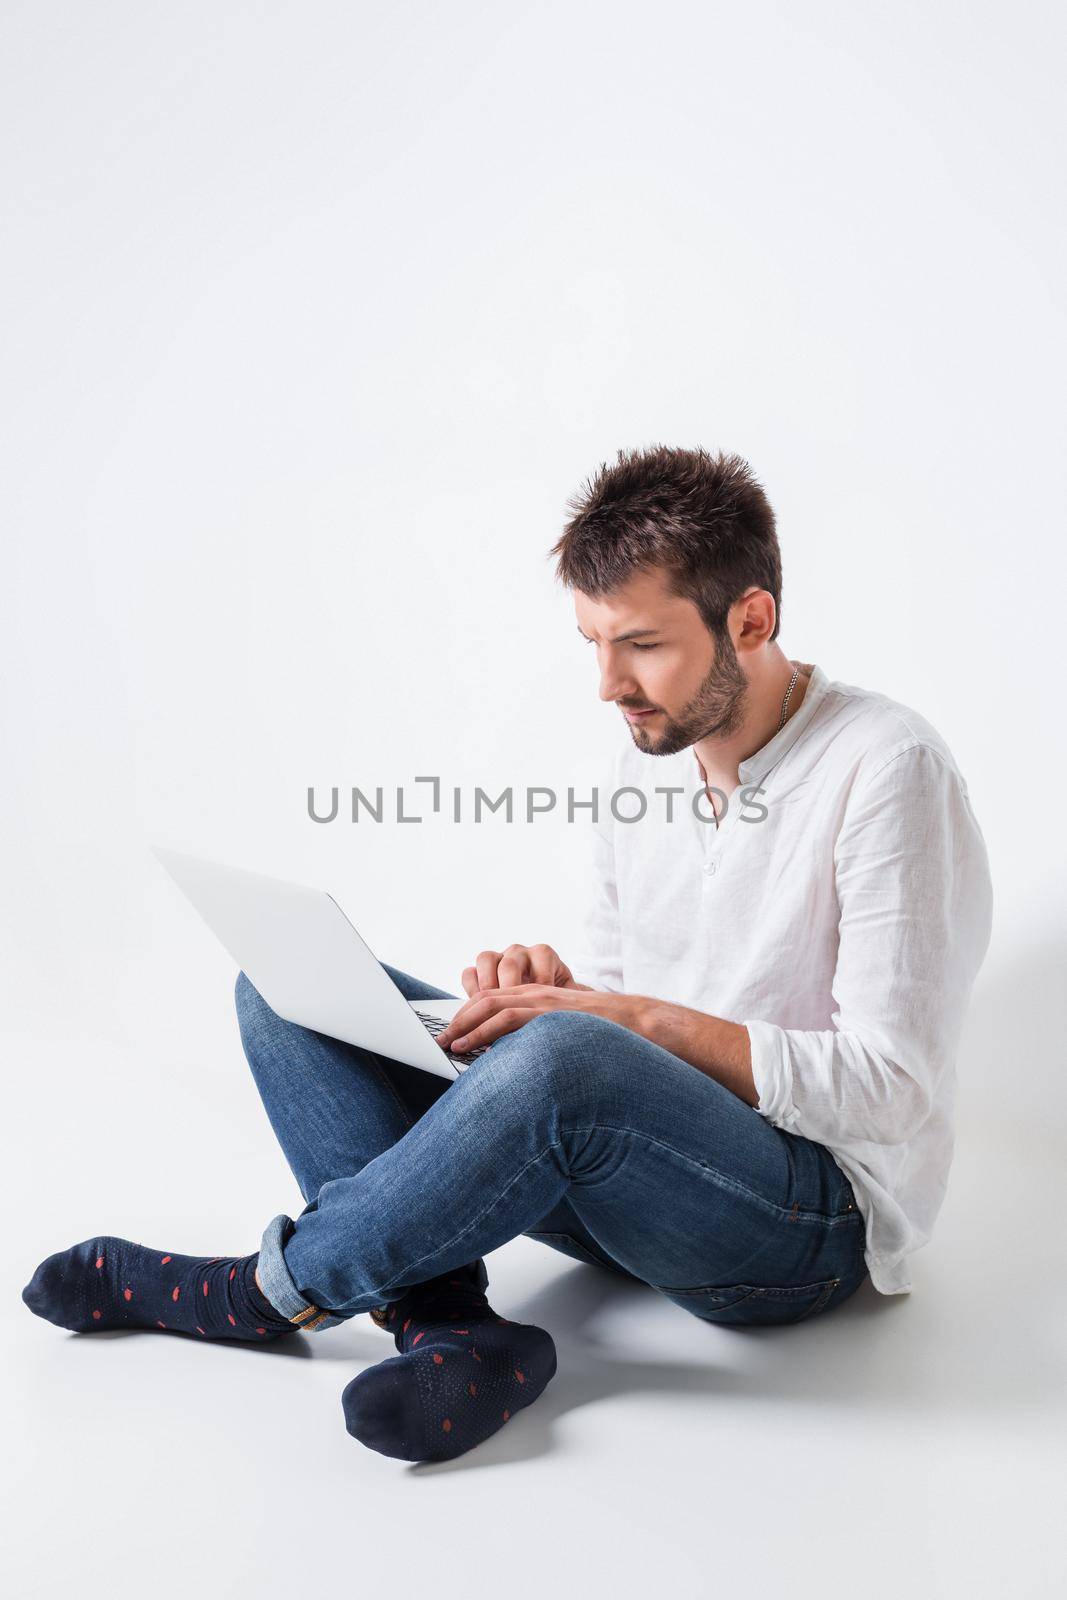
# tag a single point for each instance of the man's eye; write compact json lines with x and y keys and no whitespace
{"x":646,"y":646}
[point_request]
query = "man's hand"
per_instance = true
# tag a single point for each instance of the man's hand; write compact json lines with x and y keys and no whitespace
{"x":494,"y":1012}
{"x":721,"y":1049}
{"x":519,"y":964}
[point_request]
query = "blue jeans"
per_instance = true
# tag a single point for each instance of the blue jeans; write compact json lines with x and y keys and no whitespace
{"x":572,"y":1130}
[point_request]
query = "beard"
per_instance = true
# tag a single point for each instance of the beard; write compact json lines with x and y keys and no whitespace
{"x":715,"y":711}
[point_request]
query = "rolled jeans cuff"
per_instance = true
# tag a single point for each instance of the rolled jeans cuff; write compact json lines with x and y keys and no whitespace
{"x":278,"y":1285}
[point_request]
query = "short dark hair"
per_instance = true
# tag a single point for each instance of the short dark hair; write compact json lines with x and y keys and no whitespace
{"x":705,"y":519}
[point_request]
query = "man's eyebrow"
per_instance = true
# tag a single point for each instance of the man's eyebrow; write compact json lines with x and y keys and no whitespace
{"x":634,"y":633}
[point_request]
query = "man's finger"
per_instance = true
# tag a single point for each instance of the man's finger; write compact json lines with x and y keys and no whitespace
{"x":476,"y":1009}
{"x":470,"y":980}
{"x":480,"y":1007}
{"x":506,"y":1021}
{"x":486,"y":965}
{"x":527,"y":997}
{"x":513,"y":967}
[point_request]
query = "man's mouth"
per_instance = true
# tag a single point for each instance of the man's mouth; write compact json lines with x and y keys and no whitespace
{"x":636,"y":716}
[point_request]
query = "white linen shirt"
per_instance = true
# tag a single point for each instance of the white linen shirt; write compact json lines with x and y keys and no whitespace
{"x":841,"y":914}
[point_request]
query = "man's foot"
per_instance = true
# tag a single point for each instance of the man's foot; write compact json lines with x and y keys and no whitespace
{"x":464,"y":1371}
{"x":111,"y":1283}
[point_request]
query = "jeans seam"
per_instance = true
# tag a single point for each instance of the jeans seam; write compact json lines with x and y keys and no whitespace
{"x":720,"y":1178}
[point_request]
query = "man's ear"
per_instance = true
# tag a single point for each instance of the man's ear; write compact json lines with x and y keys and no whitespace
{"x":754,"y":615}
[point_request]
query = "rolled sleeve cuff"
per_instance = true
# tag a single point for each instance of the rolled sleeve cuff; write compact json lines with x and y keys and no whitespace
{"x":772,"y":1074}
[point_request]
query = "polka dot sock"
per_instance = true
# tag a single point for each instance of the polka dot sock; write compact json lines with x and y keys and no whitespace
{"x":463,"y":1372}
{"x":110,"y":1283}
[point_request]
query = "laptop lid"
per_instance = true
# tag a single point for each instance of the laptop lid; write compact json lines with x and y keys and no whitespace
{"x":305,"y":958}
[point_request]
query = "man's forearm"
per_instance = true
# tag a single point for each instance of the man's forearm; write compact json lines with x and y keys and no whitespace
{"x":720,"y":1049}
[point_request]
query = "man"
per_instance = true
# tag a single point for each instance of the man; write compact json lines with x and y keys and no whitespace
{"x":746,"y":1104}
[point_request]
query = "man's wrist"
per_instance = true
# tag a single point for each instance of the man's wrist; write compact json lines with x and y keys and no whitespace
{"x":639,"y":1014}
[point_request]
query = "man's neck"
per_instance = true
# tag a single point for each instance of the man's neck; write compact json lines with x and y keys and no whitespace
{"x":720,"y":759}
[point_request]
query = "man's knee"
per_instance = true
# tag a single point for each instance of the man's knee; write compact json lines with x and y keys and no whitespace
{"x":569,"y":1030}
{"x":564,"y":1055}
{"x":562,"y":1030}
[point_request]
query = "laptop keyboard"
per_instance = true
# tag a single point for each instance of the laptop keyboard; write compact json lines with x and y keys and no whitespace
{"x":435,"y":1025}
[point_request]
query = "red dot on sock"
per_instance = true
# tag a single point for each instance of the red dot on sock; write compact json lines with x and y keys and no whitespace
{"x":519,"y":1375}
{"x":507,"y":1414}
{"x":232,"y":1271}
{"x":446,"y":1425}
{"x":406,"y":1326}
{"x":161,"y":1324}
{"x":164,"y":1261}
{"x":205,"y":1286}
{"x":437,"y":1359}
{"x":472,"y":1389}
{"x":230,"y":1318}
{"x":175,"y":1292}
{"x":100,"y":1261}
{"x":199,"y":1329}
{"x":127,"y":1294}
{"x":261,"y":1330}
{"x":417,"y":1337}
{"x":97,"y":1315}
{"x":461,"y":1330}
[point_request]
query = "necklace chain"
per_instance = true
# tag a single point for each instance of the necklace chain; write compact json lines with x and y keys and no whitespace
{"x":788,"y":696}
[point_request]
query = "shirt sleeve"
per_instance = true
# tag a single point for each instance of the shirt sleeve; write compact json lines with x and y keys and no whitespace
{"x":600,"y":958}
{"x":915,"y":903}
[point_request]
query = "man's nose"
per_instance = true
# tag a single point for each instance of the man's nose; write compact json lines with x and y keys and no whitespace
{"x":616,"y":685}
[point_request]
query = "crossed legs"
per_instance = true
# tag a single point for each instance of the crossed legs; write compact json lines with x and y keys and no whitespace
{"x":570,"y":1120}
{"x":572,"y":1130}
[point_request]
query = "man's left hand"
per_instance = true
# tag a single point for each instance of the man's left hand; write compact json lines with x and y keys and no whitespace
{"x":493,"y":1012}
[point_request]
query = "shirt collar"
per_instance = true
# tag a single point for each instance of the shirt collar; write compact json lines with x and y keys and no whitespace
{"x":755,"y":768}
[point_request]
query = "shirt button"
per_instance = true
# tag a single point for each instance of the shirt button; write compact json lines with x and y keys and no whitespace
{"x":709,"y":868}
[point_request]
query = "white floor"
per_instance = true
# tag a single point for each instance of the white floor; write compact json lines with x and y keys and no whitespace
{"x":913,"y":1444}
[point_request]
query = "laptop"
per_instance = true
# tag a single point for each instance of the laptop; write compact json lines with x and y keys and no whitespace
{"x":305,"y":958}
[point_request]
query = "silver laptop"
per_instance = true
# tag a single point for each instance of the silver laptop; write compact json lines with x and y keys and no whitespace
{"x":306,"y":959}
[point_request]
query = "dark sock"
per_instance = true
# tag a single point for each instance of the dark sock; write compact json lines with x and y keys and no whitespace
{"x":463,"y":1372}
{"x":112,"y":1283}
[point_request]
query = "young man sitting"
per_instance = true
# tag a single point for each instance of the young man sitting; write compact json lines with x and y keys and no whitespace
{"x":743,"y":1098}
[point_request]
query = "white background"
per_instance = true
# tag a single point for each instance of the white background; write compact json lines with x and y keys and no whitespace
{"x":315,"y":315}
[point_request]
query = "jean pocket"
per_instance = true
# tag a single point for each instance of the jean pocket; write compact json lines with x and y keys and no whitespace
{"x":568,"y":1245}
{"x":753,"y":1305}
